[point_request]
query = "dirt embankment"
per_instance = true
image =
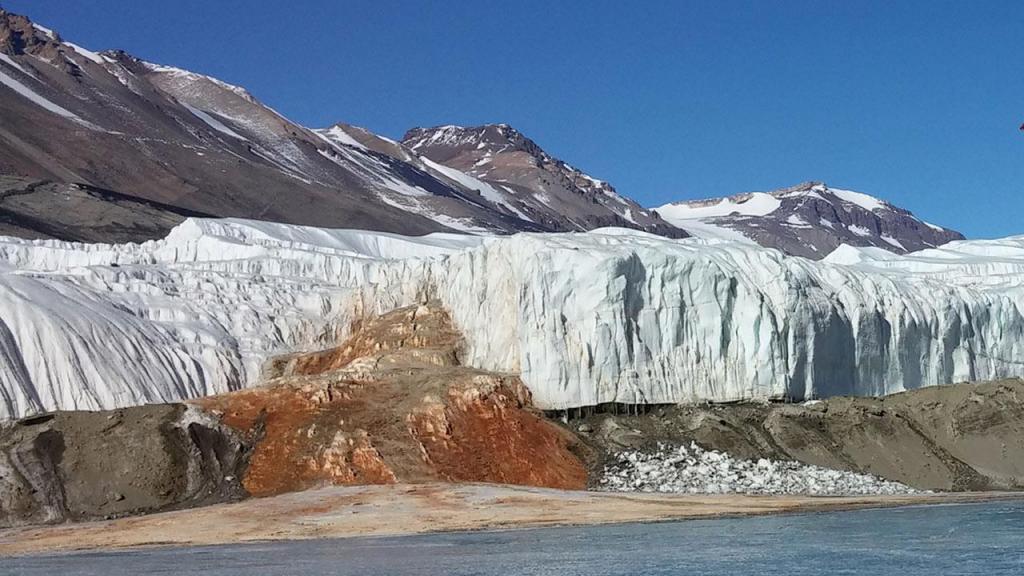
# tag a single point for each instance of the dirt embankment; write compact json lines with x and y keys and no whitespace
{"x":958,"y":437}
{"x":88,"y":465}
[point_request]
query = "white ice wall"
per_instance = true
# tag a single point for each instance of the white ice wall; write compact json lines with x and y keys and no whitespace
{"x":605,"y":316}
{"x":592,"y":318}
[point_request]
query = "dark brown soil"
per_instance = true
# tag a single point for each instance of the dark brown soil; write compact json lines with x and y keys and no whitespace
{"x":88,"y":465}
{"x":957,"y":437}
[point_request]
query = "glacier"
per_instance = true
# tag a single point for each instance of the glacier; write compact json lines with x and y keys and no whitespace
{"x":610,"y":315}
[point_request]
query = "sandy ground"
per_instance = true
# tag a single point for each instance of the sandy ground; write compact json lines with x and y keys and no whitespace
{"x":409,"y":509}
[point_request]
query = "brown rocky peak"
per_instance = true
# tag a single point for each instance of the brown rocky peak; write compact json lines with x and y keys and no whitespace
{"x":18,"y":35}
{"x":492,"y":138}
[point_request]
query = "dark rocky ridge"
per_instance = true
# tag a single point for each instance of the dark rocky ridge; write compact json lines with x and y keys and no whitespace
{"x":193,"y":142}
{"x":116,"y":122}
{"x":81,"y":213}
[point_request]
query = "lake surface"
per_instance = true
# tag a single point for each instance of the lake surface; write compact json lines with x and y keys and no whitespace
{"x":919,"y":541}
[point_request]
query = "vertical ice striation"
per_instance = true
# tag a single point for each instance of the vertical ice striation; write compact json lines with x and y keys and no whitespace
{"x":606,"y":316}
{"x":633,"y":318}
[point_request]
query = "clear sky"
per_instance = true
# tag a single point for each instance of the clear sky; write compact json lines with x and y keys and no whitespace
{"x":915,"y":102}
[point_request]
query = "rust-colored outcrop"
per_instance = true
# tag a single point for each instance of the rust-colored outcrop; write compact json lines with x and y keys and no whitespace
{"x":413,"y":330}
{"x":393,"y":404}
{"x":484,"y":433}
{"x":302,"y":437}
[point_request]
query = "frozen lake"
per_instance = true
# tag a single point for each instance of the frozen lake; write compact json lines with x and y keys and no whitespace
{"x":984,"y":539}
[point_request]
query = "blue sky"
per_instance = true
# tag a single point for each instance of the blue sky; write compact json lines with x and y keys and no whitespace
{"x":915,"y":102}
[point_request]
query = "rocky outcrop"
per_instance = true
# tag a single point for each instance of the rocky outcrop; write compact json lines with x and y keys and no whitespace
{"x":484,"y":431}
{"x":89,"y":465}
{"x":393,"y":404}
{"x":19,"y":36}
{"x":957,"y":437}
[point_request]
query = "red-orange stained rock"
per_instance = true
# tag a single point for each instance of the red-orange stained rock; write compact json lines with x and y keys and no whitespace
{"x":303,"y":442}
{"x":408,"y":413}
{"x":493,"y":438}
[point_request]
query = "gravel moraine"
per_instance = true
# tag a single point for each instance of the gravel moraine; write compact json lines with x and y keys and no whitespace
{"x":693,"y":470}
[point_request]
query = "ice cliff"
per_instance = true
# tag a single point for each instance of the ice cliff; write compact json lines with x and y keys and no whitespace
{"x":586,"y":318}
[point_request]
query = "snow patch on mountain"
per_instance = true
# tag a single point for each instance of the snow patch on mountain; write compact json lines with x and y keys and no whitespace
{"x":865,"y":201}
{"x":754,"y":204}
{"x":46,"y":31}
{"x":213,"y":122}
{"x":337,"y":134}
{"x":43,"y":103}
{"x":710,"y":232}
{"x":190,"y":77}
{"x":10,"y":62}
{"x":489,"y":193}
{"x":88,"y":54}
{"x":896,"y":243}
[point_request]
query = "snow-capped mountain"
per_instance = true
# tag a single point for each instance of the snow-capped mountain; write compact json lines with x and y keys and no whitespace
{"x":809,"y":220}
{"x":119,"y":123}
{"x":534,"y":184}
{"x":611,"y":315}
{"x":169,"y":135}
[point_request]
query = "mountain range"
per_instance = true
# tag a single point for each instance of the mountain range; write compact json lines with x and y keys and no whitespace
{"x":154,"y":144}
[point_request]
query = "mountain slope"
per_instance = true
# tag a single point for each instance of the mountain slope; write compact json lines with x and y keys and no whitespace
{"x":808,"y":220}
{"x":168,"y":135}
{"x":528,"y":180}
{"x":116,"y":122}
{"x":79,"y":213}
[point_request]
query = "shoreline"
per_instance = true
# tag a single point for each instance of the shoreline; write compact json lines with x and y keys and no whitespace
{"x":410,"y":509}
